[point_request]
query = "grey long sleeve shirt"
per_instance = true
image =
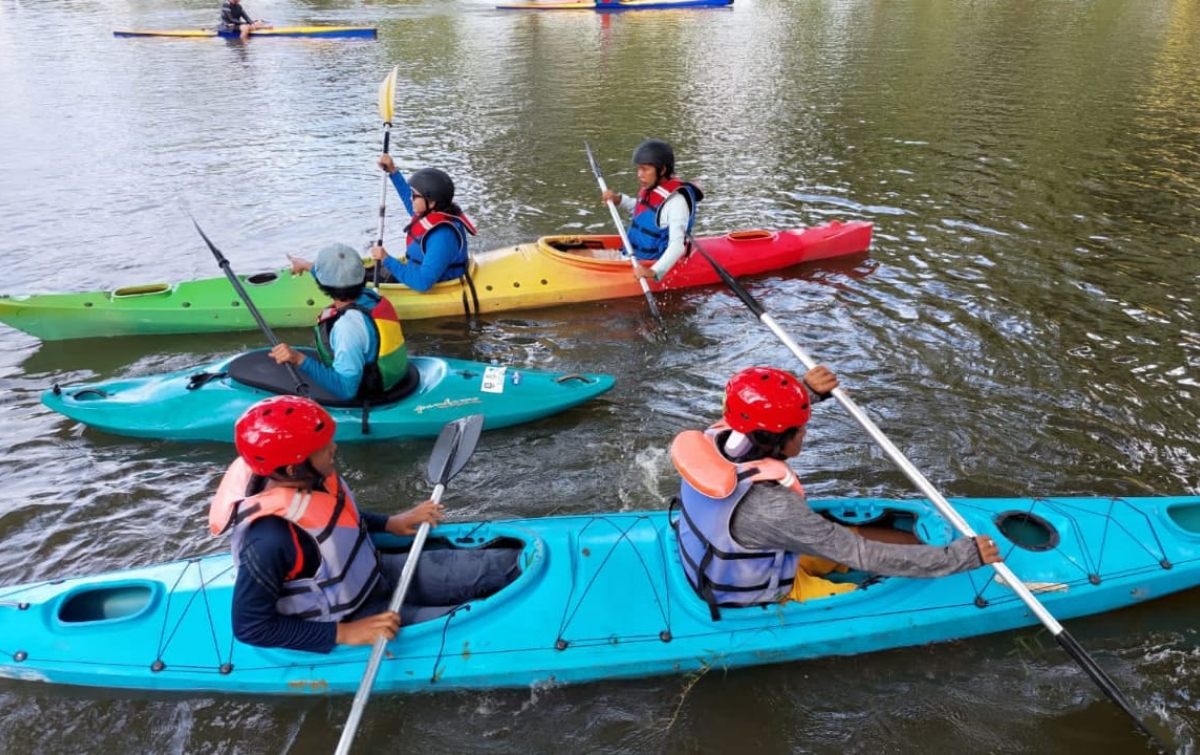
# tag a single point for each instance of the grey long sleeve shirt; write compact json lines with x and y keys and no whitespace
{"x":772,"y":517}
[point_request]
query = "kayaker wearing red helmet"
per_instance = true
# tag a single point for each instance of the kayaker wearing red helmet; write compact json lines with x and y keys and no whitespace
{"x":436,"y":244}
{"x":745,"y":523}
{"x":308,"y":576}
{"x":664,"y":210}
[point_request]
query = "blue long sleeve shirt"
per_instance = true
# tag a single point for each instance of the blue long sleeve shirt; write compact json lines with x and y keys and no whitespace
{"x":268,"y":556}
{"x":441,"y":248}
{"x":353,"y":342}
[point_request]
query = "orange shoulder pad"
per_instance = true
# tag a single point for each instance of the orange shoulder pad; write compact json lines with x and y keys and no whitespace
{"x":696,"y":457}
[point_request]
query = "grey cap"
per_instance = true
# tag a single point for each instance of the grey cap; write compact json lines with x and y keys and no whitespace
{"x":339,"y":266}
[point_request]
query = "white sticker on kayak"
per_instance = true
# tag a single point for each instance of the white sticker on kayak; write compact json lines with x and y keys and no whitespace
{"x":493,"y":379}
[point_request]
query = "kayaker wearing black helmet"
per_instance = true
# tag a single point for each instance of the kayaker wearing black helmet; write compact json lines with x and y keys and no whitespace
{"x":664,"y":210}
{"x":235,"y":18}
{"x":436,"y":243}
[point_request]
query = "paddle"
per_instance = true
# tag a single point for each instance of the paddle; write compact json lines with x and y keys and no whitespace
{"x":1065,"y":640}
{"x":621,"y":230}
{"x":387,"y":99}
{"x":454,"y":447}
{"x":301,"y":386}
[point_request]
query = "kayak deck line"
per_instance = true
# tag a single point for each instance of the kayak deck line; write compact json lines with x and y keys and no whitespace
{"x":550,"y":271}
{"x":167,"y":626}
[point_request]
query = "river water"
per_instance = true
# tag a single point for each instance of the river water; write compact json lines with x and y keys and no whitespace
{"x":1025,"y":323}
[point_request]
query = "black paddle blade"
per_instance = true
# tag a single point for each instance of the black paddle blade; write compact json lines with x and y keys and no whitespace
{"x":729,"y":280}
{"x":455,"y":444}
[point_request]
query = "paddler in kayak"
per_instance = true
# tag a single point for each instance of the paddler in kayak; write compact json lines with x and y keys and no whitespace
{"x":664,"y":210}
{"x":309,"y":577}
{"x":436,"y":247}
{"x":359,"y":340}
{"x":235,"y":18}
{"x":746,"y":533}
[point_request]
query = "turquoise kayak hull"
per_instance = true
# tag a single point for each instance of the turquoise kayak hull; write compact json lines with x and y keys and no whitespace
{"x":181,"y":406}
{"x":603,"y":596}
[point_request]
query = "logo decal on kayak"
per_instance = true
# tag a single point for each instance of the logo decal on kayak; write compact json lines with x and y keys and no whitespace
{"x":493,"y":379}
{"x":446,"y":404}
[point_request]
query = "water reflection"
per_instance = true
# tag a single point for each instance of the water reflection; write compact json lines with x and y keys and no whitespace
{"x":1023,"y":325}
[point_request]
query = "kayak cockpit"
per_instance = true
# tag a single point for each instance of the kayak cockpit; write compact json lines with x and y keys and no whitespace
{"x":605,"y":248}
{"x":257,"y":369}
{"x":484,"y":536}
{"x":107,"y":603}
{"x":821,"y":584}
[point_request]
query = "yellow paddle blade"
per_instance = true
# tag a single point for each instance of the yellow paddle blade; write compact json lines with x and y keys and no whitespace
{"x":387,"y":95}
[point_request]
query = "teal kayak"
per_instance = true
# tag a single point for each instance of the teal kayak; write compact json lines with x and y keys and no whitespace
{"x":604,"y":596}
{"x":203,"y":403}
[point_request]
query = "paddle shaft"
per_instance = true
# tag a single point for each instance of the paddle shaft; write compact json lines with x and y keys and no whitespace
{"x":455,"y":445}
{"x":387,"y":135}
{"x":616,"y":216}
{"x":301,"y":386}
{"x":368,"y":680}
{"x":1064,"y":639}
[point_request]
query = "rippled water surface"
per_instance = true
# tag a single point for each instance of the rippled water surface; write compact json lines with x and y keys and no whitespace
{"x":1025,"y":323}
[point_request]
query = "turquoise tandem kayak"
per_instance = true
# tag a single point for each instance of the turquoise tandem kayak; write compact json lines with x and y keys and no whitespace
{"x":203,"y":403}
{"x":604,"y":596}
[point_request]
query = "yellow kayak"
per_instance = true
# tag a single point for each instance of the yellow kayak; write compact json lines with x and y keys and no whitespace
{"x":283,"y":31}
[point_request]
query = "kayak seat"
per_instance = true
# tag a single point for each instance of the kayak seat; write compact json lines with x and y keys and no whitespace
{"x":258,"y":369}
{"x":589,"y":247}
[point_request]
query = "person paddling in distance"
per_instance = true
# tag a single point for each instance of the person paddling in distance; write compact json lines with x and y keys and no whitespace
{"x":235,"y":18}
{"x":745,"y":522}
{"x":308,"y":575}
{"x":359,"y":340}
{"x":436,"y":246}
{"x":663,"y":212}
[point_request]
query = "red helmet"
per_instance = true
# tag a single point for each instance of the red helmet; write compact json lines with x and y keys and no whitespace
{"x":281,"y":430}
{"x":764,"y":398}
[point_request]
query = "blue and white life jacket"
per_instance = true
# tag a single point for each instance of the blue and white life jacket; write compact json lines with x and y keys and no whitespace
{"x":723,"y":572}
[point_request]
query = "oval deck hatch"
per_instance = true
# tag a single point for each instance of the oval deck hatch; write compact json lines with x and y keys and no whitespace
{"x":1028,"y":531}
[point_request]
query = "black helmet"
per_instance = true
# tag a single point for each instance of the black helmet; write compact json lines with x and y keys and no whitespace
{"x":656,"y":153}
{"x":433,"y":184}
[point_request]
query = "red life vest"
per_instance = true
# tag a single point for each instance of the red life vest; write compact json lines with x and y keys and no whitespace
{"x":647,"y":238}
